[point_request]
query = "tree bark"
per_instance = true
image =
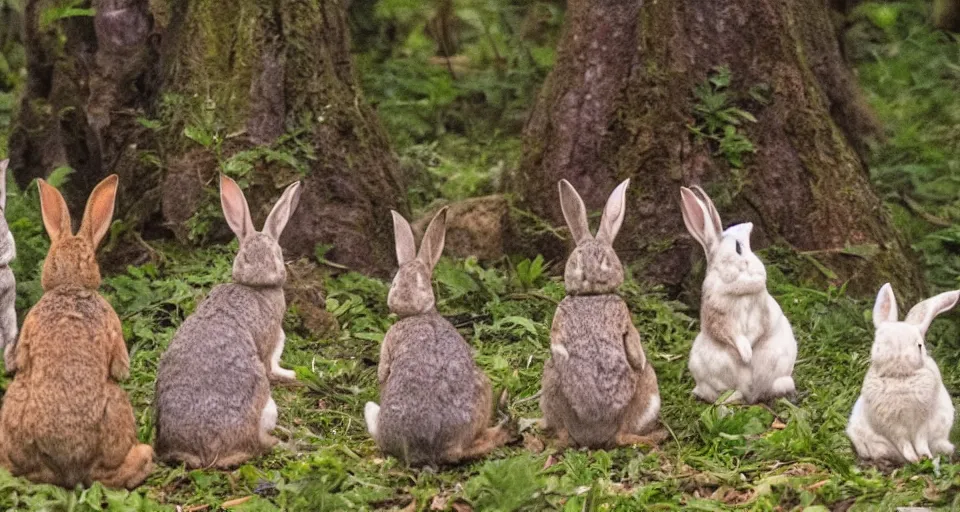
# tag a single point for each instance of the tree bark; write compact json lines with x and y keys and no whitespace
{"x":946,"y":15}
{"x":620,"y":104}
{"x":268,"y":85}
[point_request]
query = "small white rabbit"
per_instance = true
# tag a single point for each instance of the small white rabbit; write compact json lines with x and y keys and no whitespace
{"x":745,"y":343}
{"x":904,"y":411}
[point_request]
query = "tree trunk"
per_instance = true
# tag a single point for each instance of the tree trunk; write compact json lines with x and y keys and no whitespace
{"x":169,"y":92}
{"x":946,"y":14}
{"x":620,"y":103}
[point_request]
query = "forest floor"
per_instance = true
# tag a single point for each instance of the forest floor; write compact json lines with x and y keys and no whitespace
{"x":785,"y":456}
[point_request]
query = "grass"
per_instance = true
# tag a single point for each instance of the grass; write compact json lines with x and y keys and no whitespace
{"x":717,"y":457}
{"x":788,"y":456}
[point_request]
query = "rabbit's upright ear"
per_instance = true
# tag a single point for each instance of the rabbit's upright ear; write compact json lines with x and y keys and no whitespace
{"x":699,"y":220}
{"x":282,"y":211}
{"x":403,"y":238}
{"x":885,"y":309}
{"x":431,"y":248}
{"x":574,"y":212}
{"x":711,"y":209}
{"x":923,"y":313}
{"x":235,"y":209}
{"x":56,"y":216}
{"x":613,"y":213}
{"x":99,"y":211}
{"x":3,"y":184}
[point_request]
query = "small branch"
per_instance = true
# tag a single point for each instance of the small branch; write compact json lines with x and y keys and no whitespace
{"x":918,"y":210}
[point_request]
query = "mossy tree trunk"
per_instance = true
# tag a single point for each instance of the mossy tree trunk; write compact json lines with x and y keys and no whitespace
{"x":169,"y":92}
{"x":620,"y":103}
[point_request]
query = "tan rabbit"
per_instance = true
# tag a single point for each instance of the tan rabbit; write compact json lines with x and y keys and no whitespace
{"x":745,"y":343}
{"x":213,"y":403}
{"x":599,"y":390}
{"x":904,"y":412}
{"x":65,"y":419}
{"x":435,"y":403}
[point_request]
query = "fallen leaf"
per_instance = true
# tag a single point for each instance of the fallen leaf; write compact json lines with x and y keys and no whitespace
{"x":460,"y":506}
{"x":528,"y":423}
{"x":196,"y":508}
{"x":801,"y":469}
{"x":549,"y":462}
{"x":821,"y":483}
{"x":438,"y":503}
{"x":532,"y":443}
{"x":234,"y":503}
{"x":778,"y":425}
{"x":732,"y":496}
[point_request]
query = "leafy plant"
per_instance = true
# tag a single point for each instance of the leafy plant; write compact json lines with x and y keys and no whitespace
{"x":512,"y":484}
{"x":63,"y":10}
{"x":528,"y":271}
{"x":718,"y":119}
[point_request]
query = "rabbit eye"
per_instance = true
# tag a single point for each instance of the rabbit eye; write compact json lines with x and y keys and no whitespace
{"x":739,"y":249}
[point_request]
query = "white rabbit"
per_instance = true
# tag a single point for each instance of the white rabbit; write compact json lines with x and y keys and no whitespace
{"x":745,"y":343}
{"x":904,"y":411}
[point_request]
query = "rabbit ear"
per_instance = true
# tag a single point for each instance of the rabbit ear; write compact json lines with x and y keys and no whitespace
{"x":56,"y":216}
{"x":3,"y":184}
{"x":282,"y":211}
{"x":432,"y":245}
{"x":885,"y":309}
{"x":99,"y":211}
{"x":697,"y":218}
{"x":403,"y":237}
{"x":923,"y":313}
{"x":574,"y":212}
{"x":711,"y":209}
{"x":613,"y":213}
{"x":235,"y":208}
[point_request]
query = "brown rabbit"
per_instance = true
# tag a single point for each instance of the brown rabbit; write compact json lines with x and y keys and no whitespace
{"x":435,"y":403}
{"x":65,"y":419}
{"x":213,"y":403}
{"x":599,"y":390}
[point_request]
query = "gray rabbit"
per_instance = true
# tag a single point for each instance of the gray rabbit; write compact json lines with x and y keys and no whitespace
{"x":435,"y":402}
{"x":8,"y":285}
{"x":213,"y":403}
{"x":599,"y":390}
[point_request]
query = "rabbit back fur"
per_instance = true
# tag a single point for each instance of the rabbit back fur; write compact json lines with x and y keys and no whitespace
{"x":590,"y":388}
{"x":55,"y":411}
{"x":435,"y":398}
{"x":212,"y":383}
{"x":65,"y":420}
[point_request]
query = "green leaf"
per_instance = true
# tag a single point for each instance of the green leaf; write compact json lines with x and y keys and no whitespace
{"x":865,"y":251}
{"x":198,"y":135}
{"x":54,"y":14}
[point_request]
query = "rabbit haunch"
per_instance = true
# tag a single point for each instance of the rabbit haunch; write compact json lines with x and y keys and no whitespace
{"x":435,"y":403}
{"x":65,"y":420}
{"x":745,"y":344}
{"x":213,"y":403}
{"x":904,"y":411}
{"x":598,"y":388}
